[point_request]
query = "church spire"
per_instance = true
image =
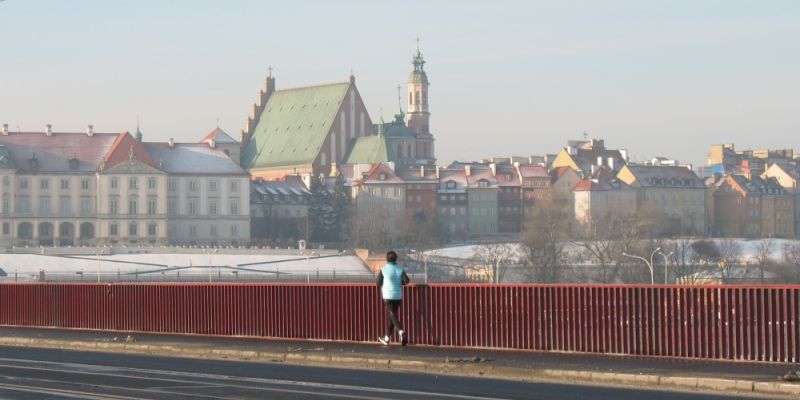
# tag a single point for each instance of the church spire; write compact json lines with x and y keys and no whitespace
{"x":138,"y":134}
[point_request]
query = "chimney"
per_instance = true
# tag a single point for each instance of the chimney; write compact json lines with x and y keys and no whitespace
{"x":255,"y":111}
{"x":171,"y":143}
{"x":212,"y":143}
{"x":5,"y":129}
{"x":611,"y":163}
{"x":90,"y":130}
{"x":438,"y":169}
{"x":422,"y":171}
{"x":468,"y":170}
{"x":493,"y":167}
{"x":48,"y":130}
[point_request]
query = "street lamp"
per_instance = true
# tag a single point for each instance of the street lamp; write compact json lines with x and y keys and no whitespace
{"x":648,"y":263}
{"x":210,"y":264}
{"x":424,"y":262}
{"x":97,"y":254}
{"x":666,"y":261}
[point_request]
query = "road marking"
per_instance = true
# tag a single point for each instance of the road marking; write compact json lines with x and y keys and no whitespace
{"x":152,"y":374}
{"x":63,"y":392}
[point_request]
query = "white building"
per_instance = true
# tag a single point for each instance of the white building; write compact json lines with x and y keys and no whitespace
{"x":105,"y":188}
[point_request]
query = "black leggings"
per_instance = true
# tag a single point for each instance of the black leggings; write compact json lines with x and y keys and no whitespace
{"x":394,"y":322}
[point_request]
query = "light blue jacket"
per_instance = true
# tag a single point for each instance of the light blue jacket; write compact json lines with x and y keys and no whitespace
{"x":392,"y":288}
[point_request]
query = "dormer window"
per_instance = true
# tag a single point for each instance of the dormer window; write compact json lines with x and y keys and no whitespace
{"x":382,"y":176}
{"x":33,"y":162}
{"x":451,"y":185}
{"x":508,"y":177}
{"x":73,"y":163}
{"x":483,"y":183}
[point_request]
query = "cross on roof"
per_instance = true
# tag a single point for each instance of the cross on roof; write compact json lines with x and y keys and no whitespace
{"x":270,"y":70}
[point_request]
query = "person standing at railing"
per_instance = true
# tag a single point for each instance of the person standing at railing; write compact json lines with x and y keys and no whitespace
{"x":391,"y":280}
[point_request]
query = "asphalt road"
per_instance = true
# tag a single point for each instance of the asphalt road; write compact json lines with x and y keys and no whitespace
{"x":29,"y":373}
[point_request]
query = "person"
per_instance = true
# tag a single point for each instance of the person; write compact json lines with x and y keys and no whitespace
{"x":391,"y":280}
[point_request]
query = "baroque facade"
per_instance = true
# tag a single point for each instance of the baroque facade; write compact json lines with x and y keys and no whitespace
{"x":90,"y":189}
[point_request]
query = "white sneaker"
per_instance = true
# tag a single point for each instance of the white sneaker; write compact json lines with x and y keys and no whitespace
{"x":384,"y":340}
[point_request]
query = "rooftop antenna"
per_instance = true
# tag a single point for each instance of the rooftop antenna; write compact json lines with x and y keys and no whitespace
{"x":217,"y":122}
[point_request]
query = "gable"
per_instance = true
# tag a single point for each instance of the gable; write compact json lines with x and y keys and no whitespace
{"x":294,"y":126}
{"x":132,"y":166}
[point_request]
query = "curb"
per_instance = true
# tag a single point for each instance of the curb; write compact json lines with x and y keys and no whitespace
{"x":471,"y":370}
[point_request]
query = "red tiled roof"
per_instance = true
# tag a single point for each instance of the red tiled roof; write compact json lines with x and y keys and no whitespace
{"x":559,"y":172}
{"x":54,"y":152}
{"x":373,"y":176}
{"x":533,"y":171}
{"x":120,"y":152}
{"x":588,"y":185}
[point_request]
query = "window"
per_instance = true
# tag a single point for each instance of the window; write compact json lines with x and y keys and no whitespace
{"x":193,"y":185}
{"x":86,"y":206}
{"x":212,"y":231}
{"x":113,"y":229}
{"x":133,"y":229}
{"x":44,"y":205}
{"x":172,"y":207}
{"x":235,"y":207}
{"x":193,"y":230}
{"x":113,"y":206}
{"x":23,"y":205}
{"x":6,"y":228}
{"x":212,"y":207}
{"x":151,"y":229}
{"x":64,"y":184}
{"x":234,"y":186}
{"x":172,"y":185}
{"x":84,"y":184}
{"x":6,"y":205}
{"x":43,"y":184}
{"x":64,"y":206}
{"x":151,"y":206}
{"x":192,"y":207}
{"x":133,"y":183}
{"x":235,"y":230}
{"x":212,"y":186}
{"x":151,"y":183}
{"x":23,"y":183}
{"x":114,"y":183}
{"x":133,"y":207}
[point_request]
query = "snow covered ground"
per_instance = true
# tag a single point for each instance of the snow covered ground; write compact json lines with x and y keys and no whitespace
{"x":749,"y":249}
{"x":28,"y":266}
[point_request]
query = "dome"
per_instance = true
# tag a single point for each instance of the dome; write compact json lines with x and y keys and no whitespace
{"x":400,"y":130}
{"x":418,"y":77}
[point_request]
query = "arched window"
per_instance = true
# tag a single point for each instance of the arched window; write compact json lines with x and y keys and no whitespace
{"x":399,"y":150}
{"x":410,"y":98}
{"x":416,"y":97}
{"x":409,"y":154}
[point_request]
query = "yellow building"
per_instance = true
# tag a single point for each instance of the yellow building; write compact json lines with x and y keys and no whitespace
{"x":675,"y":192}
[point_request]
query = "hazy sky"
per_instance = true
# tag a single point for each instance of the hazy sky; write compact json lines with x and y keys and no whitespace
{"x":656,"y":77}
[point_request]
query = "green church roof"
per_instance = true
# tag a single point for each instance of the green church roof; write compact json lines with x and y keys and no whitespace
{"x":293,"y":126}
{"x":368,"y":150}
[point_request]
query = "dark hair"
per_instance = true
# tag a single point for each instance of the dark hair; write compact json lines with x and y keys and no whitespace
{"x":391,"y":257}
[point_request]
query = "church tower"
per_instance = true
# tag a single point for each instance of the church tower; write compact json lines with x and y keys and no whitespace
{"x":418,"y":114}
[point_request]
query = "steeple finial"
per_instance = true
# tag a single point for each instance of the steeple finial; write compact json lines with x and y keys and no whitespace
{"x":138,"y":134}
{"x":380,"y":124}
{"x":217,"y":122}
{"x":417,"y":44}
{"x":270,"y":70}
{"x":400,"y":98}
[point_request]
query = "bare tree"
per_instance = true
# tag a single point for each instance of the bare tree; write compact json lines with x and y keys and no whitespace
{"x":613,"y":234}
{"x":730,"y":251}
{"x":545,"y":238}
{"x":498,"y":256}
{"x":681,"y":263}
{"x":763,"y":257}
{"x":791,"y":261}
{"x":705,"y":253}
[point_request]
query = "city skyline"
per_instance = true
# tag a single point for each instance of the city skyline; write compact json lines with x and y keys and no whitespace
{"x":521,"y":79}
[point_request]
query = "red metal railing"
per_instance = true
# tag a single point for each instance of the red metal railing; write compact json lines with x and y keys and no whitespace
{"x":713,"y":322}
